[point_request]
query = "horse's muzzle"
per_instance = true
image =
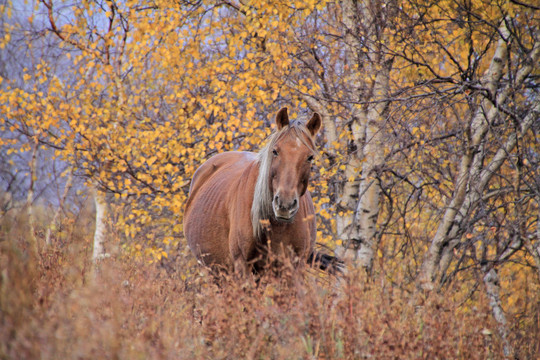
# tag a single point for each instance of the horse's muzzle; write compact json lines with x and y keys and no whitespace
{"x":285,"y":210}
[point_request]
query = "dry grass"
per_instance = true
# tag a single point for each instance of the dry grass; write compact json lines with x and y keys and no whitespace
{"x":53,"y":307}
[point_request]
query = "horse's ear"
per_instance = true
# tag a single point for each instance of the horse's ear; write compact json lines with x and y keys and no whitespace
{"x":282,"y":118}
{"x":314,"y":124}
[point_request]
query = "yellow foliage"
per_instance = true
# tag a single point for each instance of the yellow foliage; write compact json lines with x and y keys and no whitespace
{"x":159,"y":89}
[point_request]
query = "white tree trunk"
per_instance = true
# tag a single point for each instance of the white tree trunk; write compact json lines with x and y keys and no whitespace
{"x":473,"y":179}
{"x":100,"y":234}
{"x":491,"y":282}
{"x":358,"y":228}
{"x":447,"y":230}
{"x":364,"y":229}
{"x":347,"y":203}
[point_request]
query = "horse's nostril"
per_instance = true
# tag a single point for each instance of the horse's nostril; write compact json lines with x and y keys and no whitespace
{"x":292,"y":205}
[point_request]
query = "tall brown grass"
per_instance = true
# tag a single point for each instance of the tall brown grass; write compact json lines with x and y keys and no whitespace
{"x":54,"y":306}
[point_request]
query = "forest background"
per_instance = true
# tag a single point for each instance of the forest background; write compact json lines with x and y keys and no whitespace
{"x":427,"y":184}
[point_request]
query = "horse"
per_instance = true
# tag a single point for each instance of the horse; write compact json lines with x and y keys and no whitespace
{"x":242,"y":206}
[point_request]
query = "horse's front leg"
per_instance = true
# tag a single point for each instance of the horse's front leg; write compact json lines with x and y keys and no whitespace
{"x":240,"y":251}
{"x":241,"y":268}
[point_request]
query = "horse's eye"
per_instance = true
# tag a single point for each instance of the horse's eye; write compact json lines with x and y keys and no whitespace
{"x":275,"y":152}
{"x":310,"y":158}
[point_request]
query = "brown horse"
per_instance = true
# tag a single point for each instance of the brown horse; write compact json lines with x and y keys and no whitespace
{"x":242,"y":205}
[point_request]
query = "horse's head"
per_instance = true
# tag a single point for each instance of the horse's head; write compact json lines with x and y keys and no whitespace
{"x":292,"y":154}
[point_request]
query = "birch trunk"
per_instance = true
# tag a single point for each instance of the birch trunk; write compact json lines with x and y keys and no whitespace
{"x":491,"y":283}
{"x":364,"y":229}
{"x":474,"y":176}
{"x":100,"y":234}
{"x":360,"y":199}
{"x":346,"y":205}
{"x":447,"y":230}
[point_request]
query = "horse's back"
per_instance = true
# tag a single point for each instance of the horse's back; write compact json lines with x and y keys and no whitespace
{"x":213,"y":194}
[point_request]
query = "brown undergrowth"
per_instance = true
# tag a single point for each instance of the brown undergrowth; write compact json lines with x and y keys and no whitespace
{"x":55,"y":307}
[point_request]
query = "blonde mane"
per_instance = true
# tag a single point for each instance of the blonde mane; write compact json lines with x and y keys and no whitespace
{"x":261,"y":209}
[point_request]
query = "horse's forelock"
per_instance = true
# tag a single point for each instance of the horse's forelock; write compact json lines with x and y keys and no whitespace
{"x":261,"y":209}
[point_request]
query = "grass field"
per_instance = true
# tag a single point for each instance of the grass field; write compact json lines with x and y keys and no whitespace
{"x":55,"y":306}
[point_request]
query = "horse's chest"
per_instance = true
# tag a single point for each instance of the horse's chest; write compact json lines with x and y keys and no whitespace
{"x":288,"y":237}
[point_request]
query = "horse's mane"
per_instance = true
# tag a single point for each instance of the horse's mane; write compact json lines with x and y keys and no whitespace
{"x":261,"y":209}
